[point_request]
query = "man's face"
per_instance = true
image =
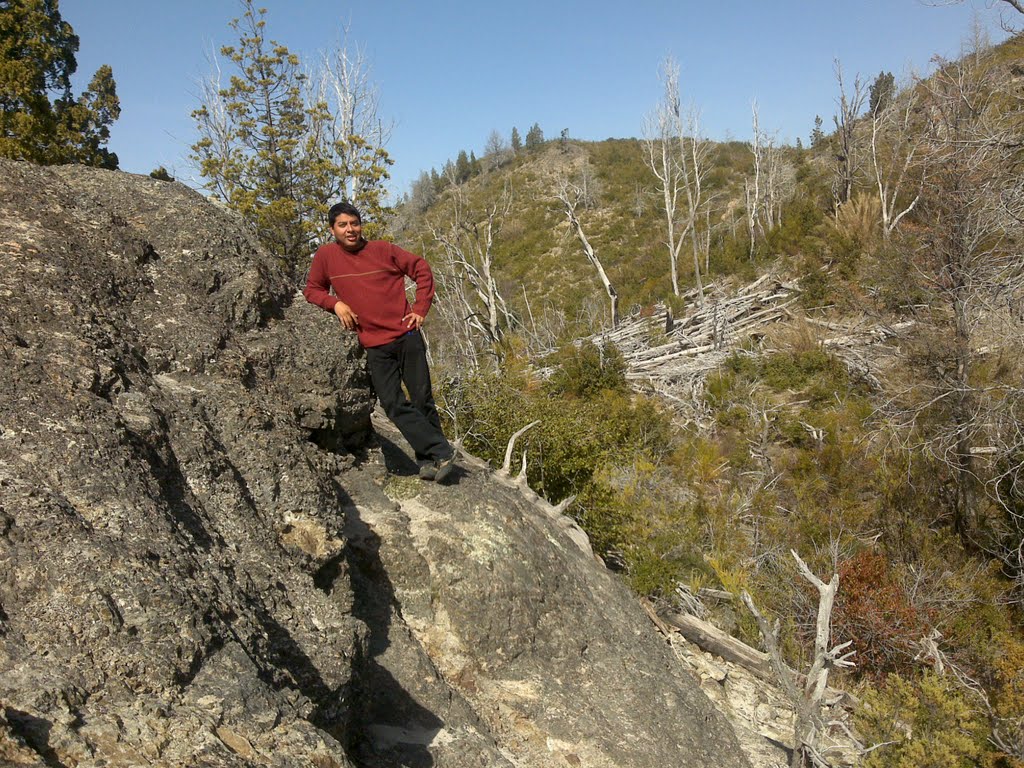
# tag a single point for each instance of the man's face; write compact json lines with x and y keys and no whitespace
{"x":348,"y":231}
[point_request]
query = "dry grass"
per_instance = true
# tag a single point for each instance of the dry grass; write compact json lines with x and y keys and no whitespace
{"x":310,"y":537}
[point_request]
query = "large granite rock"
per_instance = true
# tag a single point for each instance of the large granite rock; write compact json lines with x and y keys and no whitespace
{"x":203,"y":561}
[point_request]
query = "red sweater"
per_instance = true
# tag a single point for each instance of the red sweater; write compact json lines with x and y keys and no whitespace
{"x":372,"y":282}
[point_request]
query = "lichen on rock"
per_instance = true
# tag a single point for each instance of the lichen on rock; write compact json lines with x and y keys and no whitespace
{"x":198,"y":563}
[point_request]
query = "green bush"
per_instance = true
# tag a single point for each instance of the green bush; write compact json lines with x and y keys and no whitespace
{"x":800,"y":229}
{"x":929,"y":722}
{"x":795,"y":370}
{"x":585,"y":370}
{"x":586,"y":421}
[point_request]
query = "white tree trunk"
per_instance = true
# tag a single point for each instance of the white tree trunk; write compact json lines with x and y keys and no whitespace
{"x":570,"y":195}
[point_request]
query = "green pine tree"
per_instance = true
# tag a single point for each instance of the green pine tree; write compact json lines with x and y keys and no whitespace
{"x":817,"y":135}
{"x":881,"y":93}
{"x":534,"y":137}
{"x":463,"y":167}
{"x":84,"y":127}
{"x":40,"y":119}
{"x":266,"y":148}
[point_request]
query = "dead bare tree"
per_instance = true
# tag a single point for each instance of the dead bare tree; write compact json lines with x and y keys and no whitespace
{"x":770,"y":185}
{"x":357,"y":133}
{"x":780,"y":183}
{"x":752,"y":187}
{"x":1017,"y":5}
{"x":896,"y":140}
{"x":848,"y":151}
{"x":471,"y":298}
{"x":640,"y":195}
{"x":809,"y":726}
{"x":679,"y":157}
{"x":590,"y":185}
{"x":969,"y":260}
{"x":571,"y":196}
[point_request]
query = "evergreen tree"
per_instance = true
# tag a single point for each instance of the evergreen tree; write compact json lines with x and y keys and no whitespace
{"x":84,"y":128}
{"x":881,"y":93}
{"x":534,"y":137}
{"x":517,"y":142}
{"x":40,"y":120}
{"x":463,"y":167}
{"x":423,"y":193}
{"x":267,"y":148}
{"x":251,"y":150}
{"x":817,"y":135}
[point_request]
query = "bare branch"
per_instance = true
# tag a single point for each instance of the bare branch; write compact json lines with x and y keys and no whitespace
{"x":570,"y":196}
{"x":679,"y":158}
{"x":506,"y":466}
{"x":809,"y":726}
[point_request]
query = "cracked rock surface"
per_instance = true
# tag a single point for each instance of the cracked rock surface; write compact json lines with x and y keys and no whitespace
{"x":208,"y":558}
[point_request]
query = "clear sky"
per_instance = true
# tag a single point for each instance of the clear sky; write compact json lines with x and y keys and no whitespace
{"x":451,"y":71}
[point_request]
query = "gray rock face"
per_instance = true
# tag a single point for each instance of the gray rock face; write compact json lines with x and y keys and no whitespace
{"x":203,"y":561}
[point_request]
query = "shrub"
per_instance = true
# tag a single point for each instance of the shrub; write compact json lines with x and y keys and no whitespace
{"x":874,"y":611}
{"x":929,"y":722}
{"x":576,"y":434}
{"x":586,"y":370}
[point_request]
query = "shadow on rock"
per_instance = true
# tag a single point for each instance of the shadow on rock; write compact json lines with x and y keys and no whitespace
{"x":389,"y":727}
{"x":36,"y":733}
{"x":398,"y":462}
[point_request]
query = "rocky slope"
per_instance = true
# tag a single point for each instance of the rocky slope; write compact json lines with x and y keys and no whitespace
{"x":208,"y":559}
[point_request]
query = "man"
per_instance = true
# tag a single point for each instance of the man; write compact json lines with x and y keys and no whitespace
{"x":368,"y":278}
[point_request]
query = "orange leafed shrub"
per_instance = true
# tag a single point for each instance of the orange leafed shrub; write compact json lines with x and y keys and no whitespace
{"x":874,"y":611}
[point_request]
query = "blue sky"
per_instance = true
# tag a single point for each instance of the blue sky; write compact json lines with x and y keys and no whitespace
{"x":451,"y":71}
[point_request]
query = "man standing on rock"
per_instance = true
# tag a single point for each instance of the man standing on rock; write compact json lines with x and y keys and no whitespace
{"x":368,"y":278}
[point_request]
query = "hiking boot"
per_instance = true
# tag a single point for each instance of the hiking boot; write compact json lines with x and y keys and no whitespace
{"x":443,"y":467}
{"x":428,"y":469}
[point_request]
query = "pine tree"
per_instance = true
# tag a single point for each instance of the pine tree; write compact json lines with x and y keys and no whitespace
{"x":40,"y":120}
{"x":267,"y":149}
{"x":463,"y":167}
{"x":517,"y":142}
{"x":881,"y":93}
{"x":252,"y":139}
{"x":85,"y":125}
{"x":422,"y":193}
{"x":534,"y":137}
{"x":817,"y":135}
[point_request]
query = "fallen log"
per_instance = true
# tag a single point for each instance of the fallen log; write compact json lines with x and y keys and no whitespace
{"x":711,"y":639}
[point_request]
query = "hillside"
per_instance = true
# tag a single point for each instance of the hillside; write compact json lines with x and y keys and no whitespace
{"x":846,"y":385}
{"x":535,"y":248}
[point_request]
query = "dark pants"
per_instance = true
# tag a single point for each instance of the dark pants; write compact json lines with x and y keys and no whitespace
{"x":405,"y":360}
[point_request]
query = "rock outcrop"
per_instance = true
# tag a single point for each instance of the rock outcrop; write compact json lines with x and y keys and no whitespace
{"x":209,"y":558}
